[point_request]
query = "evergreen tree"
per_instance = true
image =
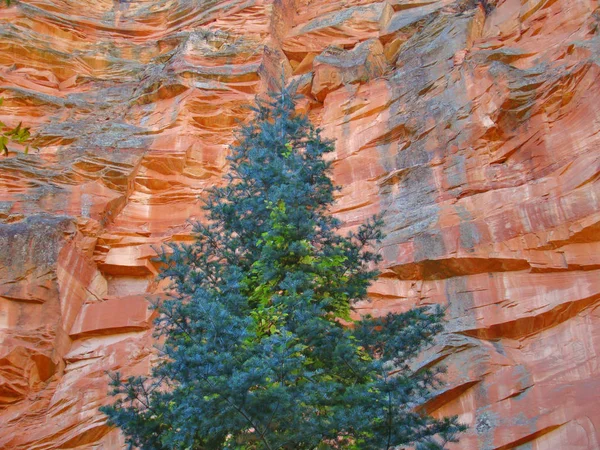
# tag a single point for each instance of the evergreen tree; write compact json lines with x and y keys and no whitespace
{"x":260,"y":351}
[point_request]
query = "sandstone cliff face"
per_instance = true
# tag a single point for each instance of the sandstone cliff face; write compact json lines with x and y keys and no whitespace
{"x":474,"y":126}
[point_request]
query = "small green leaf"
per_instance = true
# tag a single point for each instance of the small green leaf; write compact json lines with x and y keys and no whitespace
{"x":3,"y":142}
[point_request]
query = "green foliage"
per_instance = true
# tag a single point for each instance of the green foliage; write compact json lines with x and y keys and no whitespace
{"x":19,"y":134}
{"x":260,"y":351}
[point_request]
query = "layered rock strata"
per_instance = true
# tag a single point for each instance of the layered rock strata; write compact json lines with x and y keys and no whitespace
{"x":472,"y":125}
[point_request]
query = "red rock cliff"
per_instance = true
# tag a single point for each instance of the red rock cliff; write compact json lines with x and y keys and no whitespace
{"x":474,"y":126}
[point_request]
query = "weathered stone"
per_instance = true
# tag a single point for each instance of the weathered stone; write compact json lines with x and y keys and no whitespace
{"x":470,"y":124}
{"x":335,"y":67}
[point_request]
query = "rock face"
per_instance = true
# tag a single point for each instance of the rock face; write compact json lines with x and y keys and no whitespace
{"x":472,"y":125}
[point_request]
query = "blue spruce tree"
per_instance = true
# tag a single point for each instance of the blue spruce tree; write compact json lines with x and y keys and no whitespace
{"x":260,"y":351}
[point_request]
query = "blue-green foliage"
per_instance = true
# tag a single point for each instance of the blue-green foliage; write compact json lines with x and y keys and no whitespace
{"x":258,"y":351}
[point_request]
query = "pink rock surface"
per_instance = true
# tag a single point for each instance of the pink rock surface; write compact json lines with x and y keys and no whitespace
{"x":471,"y":125}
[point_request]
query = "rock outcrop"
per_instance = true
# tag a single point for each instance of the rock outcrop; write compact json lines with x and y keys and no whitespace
{"x":472,"y":125}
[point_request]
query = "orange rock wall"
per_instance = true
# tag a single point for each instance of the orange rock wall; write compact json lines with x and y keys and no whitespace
{"x":474,"y":126}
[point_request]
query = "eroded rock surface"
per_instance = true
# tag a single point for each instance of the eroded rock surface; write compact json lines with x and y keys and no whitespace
{"x":473,"y":125}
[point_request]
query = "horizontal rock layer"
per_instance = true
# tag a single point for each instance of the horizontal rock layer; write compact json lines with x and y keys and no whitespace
{"x":472,"y":125}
